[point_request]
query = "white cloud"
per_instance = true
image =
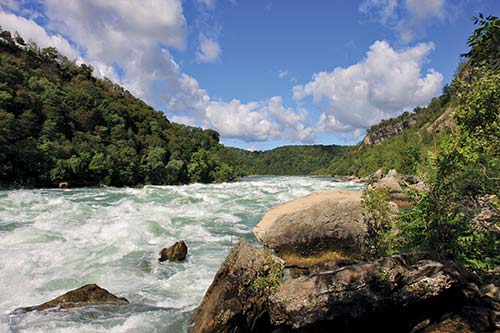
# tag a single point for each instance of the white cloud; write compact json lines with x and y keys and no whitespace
{"x":129,"y":34}
{"x":30,"y":30}
{"x":407,"y":17}
{"x":258,"y":121}
{"x":209,"y":50}
{"x":423,"y":9}
{"x":184,"y":120}
{"x":383,"y":85}
{"x":384,"y":9}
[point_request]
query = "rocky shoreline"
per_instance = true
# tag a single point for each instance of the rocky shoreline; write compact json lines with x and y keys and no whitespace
{"x":311,"y":276}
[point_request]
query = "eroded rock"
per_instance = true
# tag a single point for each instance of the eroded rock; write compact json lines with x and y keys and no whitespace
{"x":90,"y":294}
{"x":175,"y":252}
{"x":392,"y":287}
{"x":236,"y":300}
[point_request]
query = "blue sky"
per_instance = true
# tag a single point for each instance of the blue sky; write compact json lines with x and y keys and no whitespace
{"x":263,"y":73}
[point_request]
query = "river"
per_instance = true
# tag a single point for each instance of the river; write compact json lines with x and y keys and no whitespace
{"x":53,"y":241}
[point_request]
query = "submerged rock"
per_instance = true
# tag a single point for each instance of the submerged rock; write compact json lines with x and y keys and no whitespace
{"x":236,"y":300}
{"x":329,"y":220}
{"x":90,"y":294}
{"x":176,"y":252}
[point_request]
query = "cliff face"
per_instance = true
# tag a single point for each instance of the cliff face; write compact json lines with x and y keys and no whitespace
{"x":381,"y":134}
{"x":435,"y":118}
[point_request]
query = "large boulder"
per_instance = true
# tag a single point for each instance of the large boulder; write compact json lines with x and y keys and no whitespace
{"x":252,"y":292}
{"x":322,"y":221}
{"x":390,"y":183}
{"x":175,"y":252}
{"x":236,"y":300}
{"x":90,"y":294}
{"x":393,"y":293}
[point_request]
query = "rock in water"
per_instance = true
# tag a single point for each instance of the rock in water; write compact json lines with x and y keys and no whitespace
{"x":176,"y":252}
{"x":329,"y":220}
{"x":90,"y":294}
{"x":236,"y":300}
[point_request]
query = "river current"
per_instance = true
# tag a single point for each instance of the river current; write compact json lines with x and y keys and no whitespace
{"x":53,"y":241}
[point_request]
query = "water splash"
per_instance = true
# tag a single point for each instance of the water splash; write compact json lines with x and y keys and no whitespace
{"x":56,"y":240}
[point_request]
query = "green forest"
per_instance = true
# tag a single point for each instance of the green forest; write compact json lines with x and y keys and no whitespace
{"x":58,"y":123}
{"x":286,"y":160}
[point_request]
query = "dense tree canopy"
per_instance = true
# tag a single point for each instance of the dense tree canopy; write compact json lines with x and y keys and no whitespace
{"x":60,"y":123}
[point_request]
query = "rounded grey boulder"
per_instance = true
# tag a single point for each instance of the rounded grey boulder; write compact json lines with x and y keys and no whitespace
{"x":329,"y":220}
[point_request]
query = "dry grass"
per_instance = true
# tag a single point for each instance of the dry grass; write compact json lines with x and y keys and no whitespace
{"x":296,"y":260}
{"x":402,"y":203}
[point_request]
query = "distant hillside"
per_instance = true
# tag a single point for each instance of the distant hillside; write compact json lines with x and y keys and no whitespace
{"x":58,"y":123}
{"x":434,"y":117}
{"x":402,"y":142}
{"x":287,"y":160}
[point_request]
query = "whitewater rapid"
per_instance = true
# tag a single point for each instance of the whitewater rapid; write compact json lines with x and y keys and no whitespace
{"x":52,"y":241}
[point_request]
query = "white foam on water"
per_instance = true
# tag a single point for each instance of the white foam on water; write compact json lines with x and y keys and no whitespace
{"x":53,"y":241}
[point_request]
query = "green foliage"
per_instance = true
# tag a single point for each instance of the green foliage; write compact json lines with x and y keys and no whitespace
{"x":457,"y":168}
{"x":269,"y":276}
{"x":467,"y":165}
{"x":287,"y":160}
{"x":484,"y":43}
{"x":376,"y":202}
{"x":59,"y":123}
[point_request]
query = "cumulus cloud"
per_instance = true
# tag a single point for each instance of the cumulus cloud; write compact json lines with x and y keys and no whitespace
{"x":209,"y":50}
{"x":30,"y":30}
{"x":407,"y":17}
{"x":383,"y":85}
{"x":258,"y":121}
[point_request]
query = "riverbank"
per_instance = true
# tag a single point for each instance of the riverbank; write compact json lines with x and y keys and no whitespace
{"x":53,"y":241}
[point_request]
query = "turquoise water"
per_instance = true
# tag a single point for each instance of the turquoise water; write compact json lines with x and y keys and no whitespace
{"x":52,"y":241}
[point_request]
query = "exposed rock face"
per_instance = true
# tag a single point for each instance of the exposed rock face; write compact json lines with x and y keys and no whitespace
{"x":330,"y":220}
{"x":388,"y":286}
{"x":484,"y":211}
{"x":394,"y":294}
{"x":443,"y":123}
{"x":236,"y":302}
{"x":87,"y":295}
{"x":176,"y":252}
{"x":380,"y":135}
